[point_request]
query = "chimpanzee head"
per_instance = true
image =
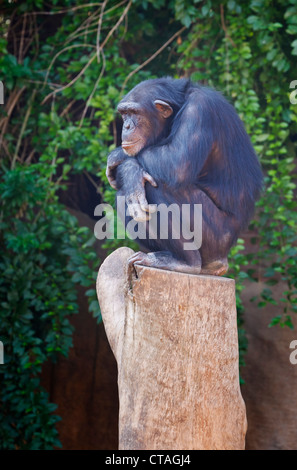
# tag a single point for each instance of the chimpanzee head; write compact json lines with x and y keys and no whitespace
{"x":147,"y":113}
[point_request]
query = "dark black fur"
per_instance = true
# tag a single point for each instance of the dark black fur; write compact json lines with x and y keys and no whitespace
{"x":203,"y":157}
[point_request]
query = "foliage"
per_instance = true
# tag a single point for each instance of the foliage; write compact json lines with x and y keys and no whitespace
{"x":65,"y":64}
{"x":41,"y":249}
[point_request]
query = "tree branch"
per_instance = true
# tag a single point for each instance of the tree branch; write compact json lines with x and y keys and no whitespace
{"x":151,"y":58}
{"x":224,"y":26}
{"x":99,"y":30}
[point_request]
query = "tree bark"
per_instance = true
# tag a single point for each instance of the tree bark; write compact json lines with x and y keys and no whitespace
{"x":174,"y":337}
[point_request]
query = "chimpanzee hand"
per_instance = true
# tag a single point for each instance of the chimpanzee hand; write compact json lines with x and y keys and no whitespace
{"x":115,"y":158}
{"x":131,"y":180}
{"x":136,"y":201}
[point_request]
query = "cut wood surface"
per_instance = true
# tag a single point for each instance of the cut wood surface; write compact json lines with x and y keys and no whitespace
{"x":174,"y":337}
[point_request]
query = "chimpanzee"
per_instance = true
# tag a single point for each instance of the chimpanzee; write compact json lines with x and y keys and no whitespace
{"x":189,"y":146}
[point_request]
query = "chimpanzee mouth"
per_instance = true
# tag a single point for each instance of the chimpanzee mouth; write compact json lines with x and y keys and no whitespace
{"x":129,"y":144}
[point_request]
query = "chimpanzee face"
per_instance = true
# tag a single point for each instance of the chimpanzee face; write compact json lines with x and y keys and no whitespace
{"x":141,"y":127}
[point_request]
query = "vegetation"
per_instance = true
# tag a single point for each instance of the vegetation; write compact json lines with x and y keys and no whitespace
{"x":64,"y":65}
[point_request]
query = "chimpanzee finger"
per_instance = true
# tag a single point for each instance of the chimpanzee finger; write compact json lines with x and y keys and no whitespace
{"x":143,"y":202}
{"x":138,"y":214}
{"x":145,"y":206}
{"x":147,"y":177}
{"x":113,"y":184}
{"x":152,"y":208}
{"x":111,"y":179}
{"x":142,"y":217}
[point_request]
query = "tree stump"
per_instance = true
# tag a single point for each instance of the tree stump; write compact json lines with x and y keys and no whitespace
{"x":174,"y":337}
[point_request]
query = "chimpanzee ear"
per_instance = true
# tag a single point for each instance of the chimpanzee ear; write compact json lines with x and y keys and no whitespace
{"x":164,"y":108}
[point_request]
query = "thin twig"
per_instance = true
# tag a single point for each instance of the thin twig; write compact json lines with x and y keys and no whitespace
{"x":22,"y":157}
{"x":92,"y":181}
{"x":39,"y":82}
{"x":86,"y":32}
{"x":14,"y":40}
{"x":4,"y":145}
{"x":61,"y":52}
{"x":23,"y":128}
{"x":115,"y":6}
{"x":94,"y":56}
{"x":28,"y":160}
{"x":69,"y":105}
{"x":72,"y":81}
{"x":94,"y":89}
{"x":85,"y":24}
{"x":225,"y":27}
{"x":66,"y":10}
{"x":117,"y":24}
{"x":151,"y":58}
{"x":99,"y":30}
{"x":22,"y":37}
{"x":14,"y":97}
{"x":36,"y":37}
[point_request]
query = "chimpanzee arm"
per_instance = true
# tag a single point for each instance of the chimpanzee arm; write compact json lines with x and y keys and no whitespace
{"x":130,"y":182}
{"x":126,"y":175}
{"x":181,"y":158}
{"x":114,"y":159}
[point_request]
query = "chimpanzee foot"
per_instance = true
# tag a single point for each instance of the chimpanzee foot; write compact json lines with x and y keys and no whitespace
{"x":162,"y":260}
{"x":216,"y":268}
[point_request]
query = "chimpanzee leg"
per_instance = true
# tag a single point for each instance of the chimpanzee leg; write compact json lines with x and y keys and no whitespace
{"x":164,"y":252}
{"x":216,"y":268}
{"x":219,"y":233}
